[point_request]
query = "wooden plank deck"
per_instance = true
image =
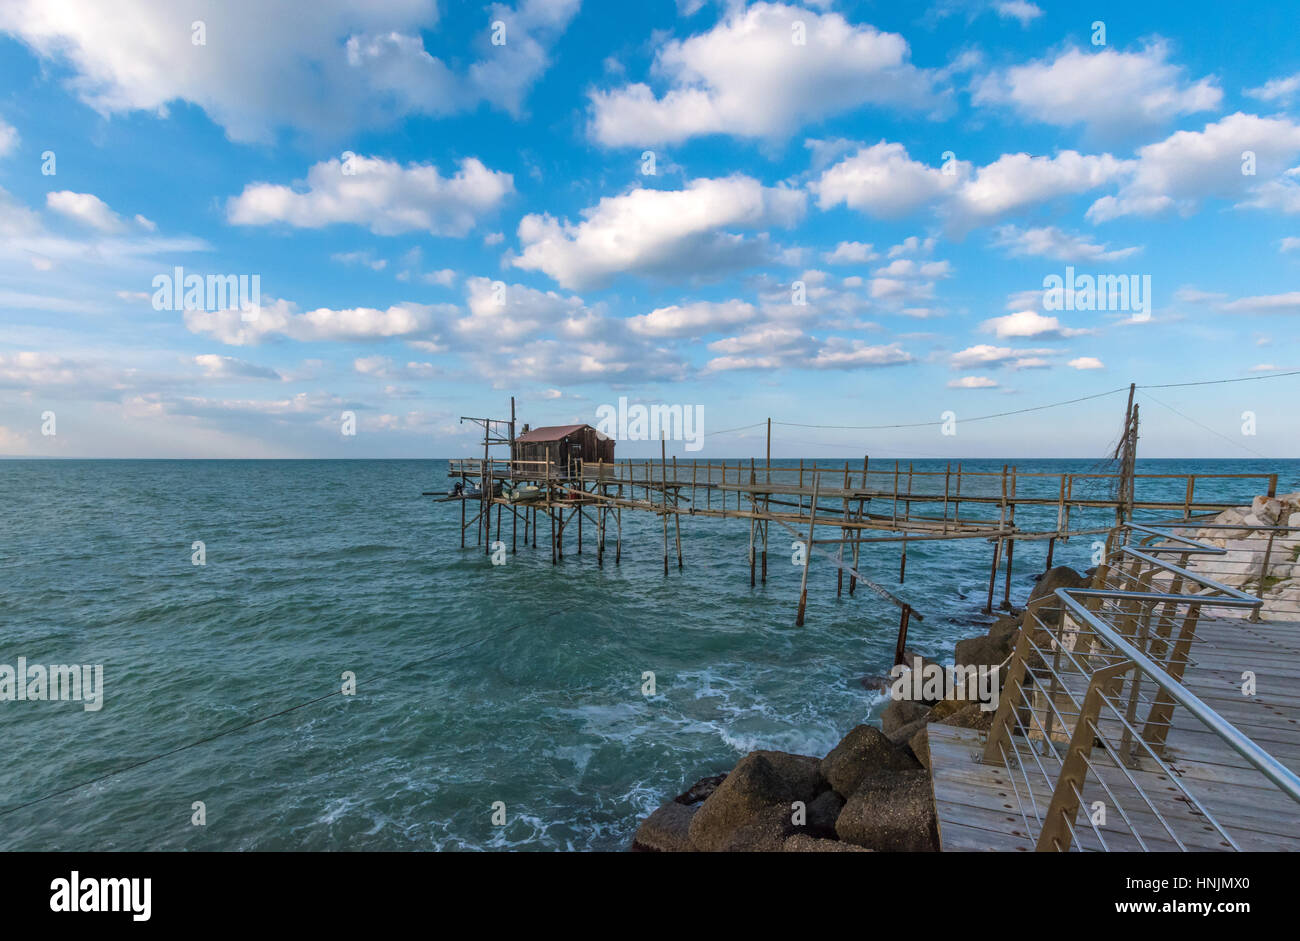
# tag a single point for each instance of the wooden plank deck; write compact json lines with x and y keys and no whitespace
{"x":979,"y":806}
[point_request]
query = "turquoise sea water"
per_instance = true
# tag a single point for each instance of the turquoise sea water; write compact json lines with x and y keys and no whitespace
{"x":475,"y":683}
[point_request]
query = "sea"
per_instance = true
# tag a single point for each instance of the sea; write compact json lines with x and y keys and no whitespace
{"x":522,"y":705}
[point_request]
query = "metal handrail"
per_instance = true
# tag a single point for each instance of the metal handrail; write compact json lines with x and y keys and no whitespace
{"x":1274,"y":770}
{"x":1124,"y":663}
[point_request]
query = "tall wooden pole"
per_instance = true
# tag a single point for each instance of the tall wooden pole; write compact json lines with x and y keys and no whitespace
{"x":807,"y":558}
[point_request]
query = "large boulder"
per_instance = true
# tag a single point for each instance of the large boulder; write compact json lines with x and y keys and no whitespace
{"x":700,"y":790}
{"x":667,"y":830}
{"x":891,"y":812}
{"x":863,"y":753}
{"x":760,"y":781}
{"x":822,"y":813}
{"x":764,"y":832}
{"x":1266,"y":509}
{"x":802,"y":843}
{"x":901,"y":712}
{"x":1060,"y":577}
{"x":902,"y":735}
{"x":920,"y":745}
{"x":986,"y":651}
{"x":1005,"y":627}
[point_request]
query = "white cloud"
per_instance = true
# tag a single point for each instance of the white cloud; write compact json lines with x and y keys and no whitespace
{"x":1020,"y":10}
{"x":783,"y":347}
{"x":1051,"y":242}
{"x":884,"y":181}
{"x":881,"y":180}
{"x":1288,"y":303}
{"x":281,"y":318}
{"x":691,"y":319}
{"x":382,"y":367}
{"x":1085,"y":362}
{"x":360,"y":258}
{"x":265,"y":65}
{"x":1028,"y":323}
{"x":983,"y":354}
{"x":1188,"y":166}
{"x":664,"y":232}
{"x":850,"y":253}
{"x":85,"y":208}
{"x":973,"y":382}
{"x":1289,"y":244}
{"x":747,"y":77}
{"x":8,"y":138}
{"x":227,"y":367}
{"x":1107,"y":91}
{"x":381,"y":195}
{"x":503,"y":313}
{"x":1279,"y":195}
{"x":1279,"y":90}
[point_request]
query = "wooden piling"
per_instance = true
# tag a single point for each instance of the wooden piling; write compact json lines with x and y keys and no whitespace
{"x":807,"y":558}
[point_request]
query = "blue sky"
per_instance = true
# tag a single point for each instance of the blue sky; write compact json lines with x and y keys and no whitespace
{"x":830,"y":213}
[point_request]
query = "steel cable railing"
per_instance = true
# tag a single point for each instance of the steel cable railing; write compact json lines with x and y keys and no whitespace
{"x":1086,"y":719}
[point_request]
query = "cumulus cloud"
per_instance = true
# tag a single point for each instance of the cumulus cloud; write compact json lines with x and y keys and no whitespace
{"x":1107,"y":91}
{"x":748,"y":77}
{"x":973,"y":382}
{"x":1188,"y":166}
{"x":263,"y":65}
{"x":691,"y":319}
{"x":1085,"y":362}
{"x":500,"y":312}
{"x":784,"y":347}
{"x":85,"y":208}
{"x":850,"y":253}
{"x":881,"y":180}
{"x":884,"y":181}
{"x":382,"y":195}
{"x":675,"y":233}
{"x":984,"y":354}
{"x":1051,"y":242}
{"x":1029,"y":323}
{"x":282,"y":318}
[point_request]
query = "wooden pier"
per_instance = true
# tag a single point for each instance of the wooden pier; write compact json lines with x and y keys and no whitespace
{"x":834,"y":509}
{"x":1145,"y":718}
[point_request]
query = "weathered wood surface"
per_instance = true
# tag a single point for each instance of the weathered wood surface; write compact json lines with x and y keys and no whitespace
{"x":984,"y":807}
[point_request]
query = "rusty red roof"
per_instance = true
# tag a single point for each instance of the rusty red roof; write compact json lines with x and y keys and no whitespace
{"x":552,"y":433}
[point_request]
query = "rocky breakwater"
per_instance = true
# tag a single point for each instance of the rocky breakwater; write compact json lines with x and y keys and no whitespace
{"x":872,"y":791}
{"x":1257,"y":561}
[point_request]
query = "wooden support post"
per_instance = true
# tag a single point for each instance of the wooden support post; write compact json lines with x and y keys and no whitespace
{"x":1058,"y":821}
{"x":677,"y":515}
{"x":462,"y":511}
{"x":901,"y":643}
{"x":753,"y":522}
{"x":844,"y":533}
{"x":551,"y":516}
{"x":663,"y":475}
{"x":808,"y":551}
{"x":993,"y":575}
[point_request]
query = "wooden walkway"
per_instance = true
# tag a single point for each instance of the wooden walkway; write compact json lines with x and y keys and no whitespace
{"x":979,"y":805}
